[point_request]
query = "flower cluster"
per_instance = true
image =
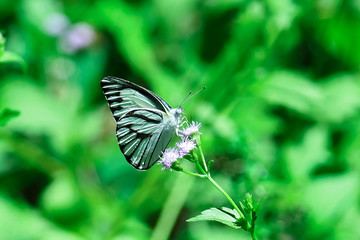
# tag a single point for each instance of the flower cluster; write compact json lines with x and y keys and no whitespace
{"x":184,"y":147}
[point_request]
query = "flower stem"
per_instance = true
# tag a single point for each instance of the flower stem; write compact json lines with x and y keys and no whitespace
{"x":203,"y":160}
{"x":198,"y":143}
{"x":194,"y":174}
{"x":203,"y":167}
{"x":226,"y":195}
{"x":253,"y":236}
{"x":207,"y":173}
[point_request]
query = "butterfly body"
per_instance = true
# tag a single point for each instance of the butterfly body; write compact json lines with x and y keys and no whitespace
{"x":174,"y":117}
{"x":145,"y":123}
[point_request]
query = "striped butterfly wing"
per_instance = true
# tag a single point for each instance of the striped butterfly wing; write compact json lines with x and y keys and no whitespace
{"x":123,"y":96}
{"x":142,"y":135}
{"x":143,"y":129}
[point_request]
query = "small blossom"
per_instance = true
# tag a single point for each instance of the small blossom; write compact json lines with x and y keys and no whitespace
{"x":80,"y":35}
{"x":168,"y":157}
{"x":193,"y":128}
{"x":185,"y":146}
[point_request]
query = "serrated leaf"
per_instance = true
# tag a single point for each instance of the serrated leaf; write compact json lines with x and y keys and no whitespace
{"x":6,"y":115}
{"x":224,"y":215}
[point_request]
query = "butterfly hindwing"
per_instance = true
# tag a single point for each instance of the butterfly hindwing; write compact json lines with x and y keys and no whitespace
{"x":123,"y":96}
{"x":142,"y":136}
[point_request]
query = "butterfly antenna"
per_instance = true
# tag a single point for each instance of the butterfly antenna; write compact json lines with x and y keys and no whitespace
{"x":188,"y":98}
{"x":196,"y":93}
{"x":185,"y":99}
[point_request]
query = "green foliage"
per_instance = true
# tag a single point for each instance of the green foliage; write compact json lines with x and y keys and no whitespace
{"x":8,"y":58}
{"x":231,"y":217}
{"x":280,"y":116}
{"x":6,"y":115}
{"x":224,"y":215}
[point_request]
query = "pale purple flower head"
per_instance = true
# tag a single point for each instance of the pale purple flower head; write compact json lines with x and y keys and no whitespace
{"x":191,"y":129}
{"x":168,"y":157}
{"x":185,"y":146}
{"x":80,"y":35}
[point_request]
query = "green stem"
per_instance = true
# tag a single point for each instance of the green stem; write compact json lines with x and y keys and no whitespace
{"x":253,"y":236}
{"x":198,"y":143}
{"x":200,"y":167}
{"x":206,"y":173}
{"x":194,"y":174}
{"x":226,"y":195}
{"x":203,"y":158}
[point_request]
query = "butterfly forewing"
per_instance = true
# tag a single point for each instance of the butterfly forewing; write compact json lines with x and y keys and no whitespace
{"x":123,"y":96}
{"x":143,"y":127}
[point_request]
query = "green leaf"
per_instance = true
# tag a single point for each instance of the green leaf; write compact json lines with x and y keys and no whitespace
{"x":6,"y":115}
{"x":176,"y":166}
{"x":336,"y":30}
{"x":9,"y":57}
{"x":341,"y":98}
{"x":33,"y":225}
{"x":303,"y":157}
{"x":67,"y":207}
{"x":257,"y":204}
{"x":209,"y":164}
{"x":292,"y":90}
{"x":62,"y":119}
{"x":224,"y":215}
{"x":328,"y":199}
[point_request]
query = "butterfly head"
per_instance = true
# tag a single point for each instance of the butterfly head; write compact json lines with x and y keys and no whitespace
{"x":178,"y":112}
{"x":175,"y":115}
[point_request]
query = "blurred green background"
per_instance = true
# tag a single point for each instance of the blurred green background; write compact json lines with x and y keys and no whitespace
{"x":280,"y":116}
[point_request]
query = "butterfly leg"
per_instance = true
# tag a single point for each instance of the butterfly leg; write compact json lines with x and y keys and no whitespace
{"x":182,"y":122}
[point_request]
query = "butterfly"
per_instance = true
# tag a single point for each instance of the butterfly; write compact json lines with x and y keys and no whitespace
{"x":145,"y":123}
